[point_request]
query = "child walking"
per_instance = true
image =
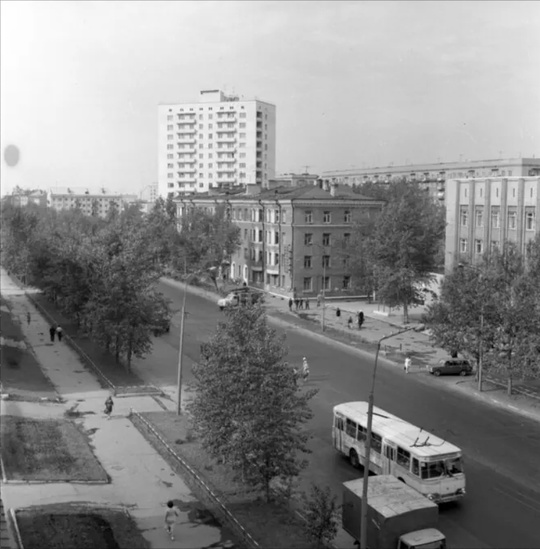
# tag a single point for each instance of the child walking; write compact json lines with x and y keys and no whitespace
{"x":171,"y":516}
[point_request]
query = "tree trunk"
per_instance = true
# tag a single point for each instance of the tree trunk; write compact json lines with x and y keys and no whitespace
{"x":405,"y":313}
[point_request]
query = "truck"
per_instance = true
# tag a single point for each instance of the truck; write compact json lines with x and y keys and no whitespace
{"x":398,"y":517}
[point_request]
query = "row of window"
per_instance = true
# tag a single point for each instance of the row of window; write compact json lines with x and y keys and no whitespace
{"x":511,"y":218}
{"x":326,"y":283}
{"x":308,"y":261}
{"x":220,"y":115}
{"x":327,"y":216}
{"x":326,"y":239}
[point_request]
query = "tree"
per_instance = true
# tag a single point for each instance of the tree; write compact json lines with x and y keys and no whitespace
{"x":248,"y":409}
{"x":322,"y":513}
{"x":402,"y":248}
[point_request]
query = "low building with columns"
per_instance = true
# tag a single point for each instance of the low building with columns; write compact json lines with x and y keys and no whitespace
{"x":483,"y":213}
{"x":293,"y":239}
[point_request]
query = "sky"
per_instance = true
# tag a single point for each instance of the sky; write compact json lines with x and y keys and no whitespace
{"x":355,"y":83}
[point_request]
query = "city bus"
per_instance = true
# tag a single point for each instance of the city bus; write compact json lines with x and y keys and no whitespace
{"x":425,"y":462}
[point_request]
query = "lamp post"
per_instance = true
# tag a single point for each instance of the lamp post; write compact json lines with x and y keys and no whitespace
{"x":364,"y":508}
{"x":481,"y":333}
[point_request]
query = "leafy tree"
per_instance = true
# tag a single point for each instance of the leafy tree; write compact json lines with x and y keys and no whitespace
{"x":322,"y":515}
{"x":248,"y":409}
{"x":402,"y":247}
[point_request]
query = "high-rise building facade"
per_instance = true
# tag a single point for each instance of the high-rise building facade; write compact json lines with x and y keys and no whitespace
{"x":220,"y":142}
{"x":482,"y":214}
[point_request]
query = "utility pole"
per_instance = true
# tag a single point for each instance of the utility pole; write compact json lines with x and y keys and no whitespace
{"x":180,"y":354}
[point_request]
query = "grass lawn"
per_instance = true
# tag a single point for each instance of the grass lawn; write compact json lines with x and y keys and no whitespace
{"x":67,"y":526}
{"x":272,"y":525}
{"x":20,"y":370}
{"x":47,"y":450}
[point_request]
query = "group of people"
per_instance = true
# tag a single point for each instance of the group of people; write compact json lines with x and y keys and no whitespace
{"x":303,"y":374}
{"x":55,"y":330}
{"x":299,"y":303}
{"x":350,"y":322}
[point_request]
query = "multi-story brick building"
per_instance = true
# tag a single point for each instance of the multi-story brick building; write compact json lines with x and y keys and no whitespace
{"x":483,"y":213}
{"x":220,"y":142}
{"x":292,"y":238}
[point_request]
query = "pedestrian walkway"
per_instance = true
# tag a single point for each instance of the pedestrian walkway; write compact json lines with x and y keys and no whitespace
{"x":141,"y":481}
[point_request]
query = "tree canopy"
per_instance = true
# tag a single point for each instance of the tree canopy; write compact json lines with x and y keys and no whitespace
{"x":248,"y":408}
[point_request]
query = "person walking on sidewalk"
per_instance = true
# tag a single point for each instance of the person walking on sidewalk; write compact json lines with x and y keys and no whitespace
{"x":350,"y":322}
{"x":307,"y":302}
{"x":52,"y":331}
{"x":171,"y":516}
{"x":59,"y":332}
{"x":305,"y":369}
{"x":407,"y":365}
{"x":360,"y":319}
{"x":109,"y":407}
{"x":290,"y":304}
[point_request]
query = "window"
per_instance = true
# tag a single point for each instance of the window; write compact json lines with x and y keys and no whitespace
{"x":326,"y":261}
{"x":415,"y":467}
{"x":276,"y":238}
{"x":169,"y":147}
{"x":361,"y":434}
{"x":326,"y":239}
{"x":308,"y":239}
{"x":529,"y":221}
{"x":325,"y":282}
{"x":493,"y":245}
{"x":464,"y":218}
{"x":350,"y":428}
{"x":276,"y":216}
{"x":170,"y":128}
{"x":347,"y":216}
{"x":169,"y":117}
{"x":376,"y":442}
{"x":307,"y":284}
{"x":327,"y":217}
{"x":495,"y":218}
{"x":346,"y":282}
{"x":169,"y":137}
{"x":346,"y":240}
{"x":201,"y":165}
{"x":242,"y":115}
{"x":283,"y":216}
{"x":201,"y":125}
{"x":463,"y":245}
{"x":512,"y":219}
{"x":170,"y":175}
{"x":433,"y":469}
{"x":479,"y":215}
{"x":309,"y":216}
{"x":478,"y":246}
{"x":307,"y":262}
{"x":245,"y":253}
{"x":403,"y":458}
{"x":169,"y":156}
{"x":242,"y":125}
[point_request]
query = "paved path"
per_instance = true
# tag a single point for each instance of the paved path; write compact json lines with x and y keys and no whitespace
{"x":141,"y":480}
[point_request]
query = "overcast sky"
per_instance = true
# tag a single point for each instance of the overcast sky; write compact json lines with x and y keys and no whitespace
{"x":355,"y":83}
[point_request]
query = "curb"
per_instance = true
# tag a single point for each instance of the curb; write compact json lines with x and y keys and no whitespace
{"x":14,"y":523}
{"x":32,"y":482}
{"x":201,"y":481}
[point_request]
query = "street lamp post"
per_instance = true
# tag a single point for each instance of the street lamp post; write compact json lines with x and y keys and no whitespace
{"x":181,"y":353}
{"x":364,"y":509}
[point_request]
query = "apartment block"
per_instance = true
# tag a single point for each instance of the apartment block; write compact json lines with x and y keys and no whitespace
{"x":220,"y":142}
{"x":90,"y":203}
{"x":293,"y":239}
{"x":482,"y":214}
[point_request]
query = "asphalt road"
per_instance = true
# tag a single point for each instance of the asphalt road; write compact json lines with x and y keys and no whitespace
{"x":501,"y":450}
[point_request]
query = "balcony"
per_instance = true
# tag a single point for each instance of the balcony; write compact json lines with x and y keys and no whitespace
{"x":226,"y":181}
{"x":185,"y":140}
{"x":185,"y":131}
{"x":187,"y":181}
{"x":187,"y":120}
{"x":226,"y":138}
{"x":182,"y":147}
{"x":186,"y":170}
{"x":226,"y":160}
{"x":226,"y":148}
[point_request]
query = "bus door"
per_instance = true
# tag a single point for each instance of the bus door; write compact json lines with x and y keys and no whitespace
{"x":339,"y":425}
{"x":389,"y":453}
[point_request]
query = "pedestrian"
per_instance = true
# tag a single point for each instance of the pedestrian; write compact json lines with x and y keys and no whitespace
{"x":52,"y":331}
{"x":301,"y":303}
{"x":296,"y":375}
{"x":360,"y":319}
{"x":28,"y":318}
{"x":290,"y":304}
{"x":109,"y":406}
{"x":318,"y":300}
{"x":338,"y":312}
{"x":305,"y":369}
{"x":172,"y":514}
{"x":307,"y":303}
{"x":59,"y":332}
{"x":350,"y":322}
{"x":296,"y":303}
{"x":408,"y":363}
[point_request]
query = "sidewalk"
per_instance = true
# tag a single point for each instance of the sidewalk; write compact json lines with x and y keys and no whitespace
{"x":141,"y":481}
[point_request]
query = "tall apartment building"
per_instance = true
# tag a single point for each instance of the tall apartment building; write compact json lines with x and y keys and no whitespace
{"x":220,"y":142}
{"x":482,"y":214}
{"x":293,"y":239}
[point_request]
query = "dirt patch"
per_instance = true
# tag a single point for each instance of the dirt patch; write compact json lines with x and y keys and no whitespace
{"x":270,"y":524}
{"x":62,"y":526}
{"x":47,"y":450}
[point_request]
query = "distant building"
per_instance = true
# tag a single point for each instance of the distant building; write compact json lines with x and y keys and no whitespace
{"x":90,"y":203}
{"x":293,"y":239}
{"x":482,"y":214}
{"x":293,"y":180}
{"x":150,"y":193}
{"x":433,"y":176}
{"x":221,"y":142}
{"x":21,"y":197}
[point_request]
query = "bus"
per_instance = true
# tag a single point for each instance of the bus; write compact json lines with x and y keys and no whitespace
{"x":425,"y":462}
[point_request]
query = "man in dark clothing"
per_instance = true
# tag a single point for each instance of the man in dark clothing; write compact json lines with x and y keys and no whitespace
{"x":360,"y":319}
{"x":338,"y":312}
{"x":52,"y":331}
{"x":290,"y":303}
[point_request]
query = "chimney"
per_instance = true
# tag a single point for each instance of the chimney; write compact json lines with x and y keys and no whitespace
{"x":333,"y":189}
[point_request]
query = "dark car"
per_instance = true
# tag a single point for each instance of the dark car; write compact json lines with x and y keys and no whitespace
{"x":451,"y":366}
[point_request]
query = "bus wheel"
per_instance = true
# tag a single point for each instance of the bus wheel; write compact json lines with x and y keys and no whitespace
{"x":353,"y":457}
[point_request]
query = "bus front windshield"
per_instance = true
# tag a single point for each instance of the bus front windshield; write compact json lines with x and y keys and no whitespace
{"x":436,"y":469}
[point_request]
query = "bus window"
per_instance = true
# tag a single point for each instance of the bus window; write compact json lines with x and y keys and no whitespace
{"x":415,"y":467}
{"x":403,"y":458}
{"x":361,"y":433}
{"x":350,"y":428}
{"x":376,"y":442}
{"x":434,"y":469}
{"x":338,"y":423}
{"x":454,"y":466}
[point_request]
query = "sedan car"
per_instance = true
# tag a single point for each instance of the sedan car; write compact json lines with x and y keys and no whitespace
{"x":451,"y":366}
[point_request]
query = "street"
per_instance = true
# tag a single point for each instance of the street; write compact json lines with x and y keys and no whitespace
{"x":501,"y":449}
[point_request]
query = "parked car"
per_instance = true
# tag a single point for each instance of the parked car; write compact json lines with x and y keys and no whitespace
{"x":241,"y":296}
{"x":451,"y":366}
